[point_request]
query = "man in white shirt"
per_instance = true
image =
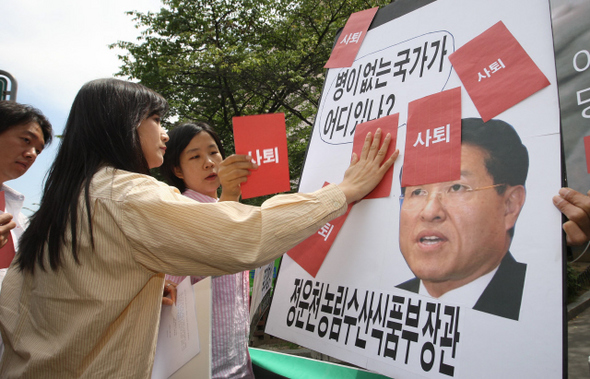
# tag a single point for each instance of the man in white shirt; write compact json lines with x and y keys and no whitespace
{"x":24,"y":132}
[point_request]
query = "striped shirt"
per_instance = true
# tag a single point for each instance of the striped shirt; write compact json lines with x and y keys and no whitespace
{"x":230,"y":318}
{"x":100,"y":318}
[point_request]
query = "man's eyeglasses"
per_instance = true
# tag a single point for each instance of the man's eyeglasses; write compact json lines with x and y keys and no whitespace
{"x":451,"y":195}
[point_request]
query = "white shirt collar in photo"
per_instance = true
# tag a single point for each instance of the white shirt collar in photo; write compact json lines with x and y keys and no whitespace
{"x":467,"y":294}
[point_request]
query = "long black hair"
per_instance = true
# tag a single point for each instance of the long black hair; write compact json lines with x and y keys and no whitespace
{"x":180,"y":136}
{"x":101,"y":131}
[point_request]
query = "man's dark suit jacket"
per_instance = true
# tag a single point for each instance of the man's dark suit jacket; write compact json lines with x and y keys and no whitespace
{"x":502,"y":296}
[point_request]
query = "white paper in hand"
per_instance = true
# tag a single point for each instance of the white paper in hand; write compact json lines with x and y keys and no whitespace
{"x":178,"y":338}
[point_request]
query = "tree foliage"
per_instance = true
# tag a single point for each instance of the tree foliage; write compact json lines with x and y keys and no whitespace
{"x":216,"y":59}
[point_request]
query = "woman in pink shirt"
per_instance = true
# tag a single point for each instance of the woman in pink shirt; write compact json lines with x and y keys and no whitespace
{"x":194,"y":163}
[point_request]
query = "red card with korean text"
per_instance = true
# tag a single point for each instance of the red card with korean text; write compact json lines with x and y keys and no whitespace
{"x":496,"y":71}
{"x":7,"y":251}
{"x":351,"y":38}
{"x":388,"y":124}
{"x":311,"y":253}
{"x":264,"y":138}
{"x":587,"y":148}
{"x":433,"y":139}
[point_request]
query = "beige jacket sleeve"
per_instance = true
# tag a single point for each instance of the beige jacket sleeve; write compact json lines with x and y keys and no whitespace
{"x":176,"y":235}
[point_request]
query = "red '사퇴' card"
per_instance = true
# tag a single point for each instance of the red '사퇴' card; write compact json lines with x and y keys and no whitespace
{"x":388,"y":124}
{"x":433,"y":139}
{"x":264,"y":138}
{"x":587,"y":148}
{"x":496,"y":71}
{"x":351,"y":38}
{"x":311,"y":253}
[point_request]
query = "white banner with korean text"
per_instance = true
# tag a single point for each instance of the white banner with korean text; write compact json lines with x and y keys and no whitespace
{"x":472,"y":287}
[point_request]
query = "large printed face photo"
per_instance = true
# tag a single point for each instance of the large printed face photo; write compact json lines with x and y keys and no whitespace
{"x":455,"y":232}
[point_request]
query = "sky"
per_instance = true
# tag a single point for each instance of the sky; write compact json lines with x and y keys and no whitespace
{"x":52,"y":48}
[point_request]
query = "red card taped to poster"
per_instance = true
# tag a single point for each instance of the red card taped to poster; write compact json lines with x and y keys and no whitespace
{"x":264,"y":138}
{"x":351,"y":38}
{"x":388,"y":124}
{"x":496,"y":71}
{"x":311,"y":253}
{"x":433,"y":139}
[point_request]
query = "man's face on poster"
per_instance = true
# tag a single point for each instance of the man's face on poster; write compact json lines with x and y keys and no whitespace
{"x":454,"y":232}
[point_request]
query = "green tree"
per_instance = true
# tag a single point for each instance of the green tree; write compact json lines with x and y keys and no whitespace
{"x":216,"y":59}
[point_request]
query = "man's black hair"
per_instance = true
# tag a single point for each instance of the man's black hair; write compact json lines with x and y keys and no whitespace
{"x":14,"y":114}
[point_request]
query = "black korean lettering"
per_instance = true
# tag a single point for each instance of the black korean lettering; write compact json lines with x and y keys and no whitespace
{"x":413,"y":313}
{"x":291,"y":316}
{"x":358,"y":341}
{"x":368,"y":73}
{"x":370,"y":69}
{"x":451,"y":334}
{"x":379,"y":315}
{"x":316,"y":298}
{"x":369,"y":108}
{"x":392,"y":338}
{"x":445,"y":368}
{"x":384,"y":69}
{"x":377,"y":334}
{"x":420,"y":53}
{"x":339,"y":125}
{"x":340,"y":84}
{"x":300,"y":311}
{"x":330,"y":123}
{"x":366,"y":85}
{"x":349,"y":321}
{"x":358,"y":110}
{"x":390,"y":100}
{"x":361,"y":111}
{"x":366,"y":311}
{"x":323,"y":326}
{"x":442,"y":55}
{"x":450,"y":338}
{"x":396,"y":310}
{"x":329,"y":298}
{"x":308,"y":325}
{"x":294,"y":299}
{"x":335,"y":328}
{"x":296,"y":292}
{"x":409,"y":337}
{"x":394,"y":327}
{"x":303,"y":304}
{"x":353,"y":80}
{"x":340,"y":300}
{"x":427,"y":356}
{"x":432,"y":324}
{"x":307,"y":287}
{"x":443,"y":52}
{"x":401,"y":63}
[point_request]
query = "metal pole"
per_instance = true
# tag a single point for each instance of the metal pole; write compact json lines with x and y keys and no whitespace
{"x":13,"y":85}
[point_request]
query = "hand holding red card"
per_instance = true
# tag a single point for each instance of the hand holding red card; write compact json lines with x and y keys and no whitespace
{"x":433,"y":139}
{"x":388,"y":124}
{"x":264,"y":138}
